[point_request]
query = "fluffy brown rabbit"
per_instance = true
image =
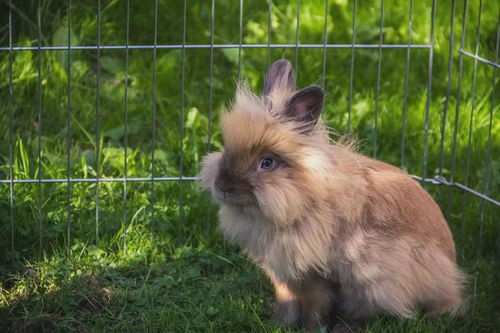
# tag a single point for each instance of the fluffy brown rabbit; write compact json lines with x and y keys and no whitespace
{"x":336,"y":232}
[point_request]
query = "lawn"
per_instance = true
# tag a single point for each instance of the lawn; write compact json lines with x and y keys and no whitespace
{"x":143,"y":256}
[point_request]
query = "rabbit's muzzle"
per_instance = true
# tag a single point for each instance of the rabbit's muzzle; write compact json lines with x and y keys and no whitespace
{"x":231,"y":190}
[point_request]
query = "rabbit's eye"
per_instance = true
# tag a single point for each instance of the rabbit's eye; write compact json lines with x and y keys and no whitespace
{"x":267,"y":164}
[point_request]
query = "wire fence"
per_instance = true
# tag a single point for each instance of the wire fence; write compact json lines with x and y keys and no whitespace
{"x":426,"y":175}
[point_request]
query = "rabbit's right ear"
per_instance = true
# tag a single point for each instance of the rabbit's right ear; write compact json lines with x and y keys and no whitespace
{"x":280,"y":80}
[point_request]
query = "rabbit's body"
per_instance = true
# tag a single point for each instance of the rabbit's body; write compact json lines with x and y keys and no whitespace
{"x":335,"y":231}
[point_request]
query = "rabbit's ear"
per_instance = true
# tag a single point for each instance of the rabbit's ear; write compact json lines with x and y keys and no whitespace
{"x":280,"y":79}
{"x":306,"y":105}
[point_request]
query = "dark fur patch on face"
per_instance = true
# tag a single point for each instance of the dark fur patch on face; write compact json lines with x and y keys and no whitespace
{"x":232,"y":183}
{"x":241,"y":171}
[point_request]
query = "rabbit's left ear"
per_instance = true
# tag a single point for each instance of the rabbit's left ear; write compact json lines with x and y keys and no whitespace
{"x":280,"y":79}
{"x":306,"y":105}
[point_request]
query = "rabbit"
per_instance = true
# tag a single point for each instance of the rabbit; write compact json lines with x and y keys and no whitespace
{"x":336,"y":233}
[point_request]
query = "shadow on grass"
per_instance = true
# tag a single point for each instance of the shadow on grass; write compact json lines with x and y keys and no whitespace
{"x":189,"y":290}
{"x":186,"y":289}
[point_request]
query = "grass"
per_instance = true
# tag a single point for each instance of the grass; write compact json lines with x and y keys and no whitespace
{"x":155,"y":286}
{"x":149,"y":257}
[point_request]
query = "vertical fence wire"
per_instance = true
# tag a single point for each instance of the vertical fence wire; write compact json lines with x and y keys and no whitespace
{"x":351,"y":71}
{"x":210,"y":76}
{"x":406,"y":79}
{"x":39,"y":108}
{"x":269,"y":27}
{"x":125,"y":138}
{"x":11,"y":139}
{"x":429,"y":93}
{"x":471,"y":122}
{"x":210,"y":96}
{"x":153,"y":118}
{"x":486,"y":172}
{"x":181,"y":118}
{"x":487,"y":167}
{"x":68,"y":132}
{"x":379,"y":70}
{"x":473,"y":97}
{"x":448,"y":88}
{"x":97,"y":125}
{"x":325,"y":41}
{"x":297,"y":40}
{"x":457,"y":115}
{"x":240,"y":40}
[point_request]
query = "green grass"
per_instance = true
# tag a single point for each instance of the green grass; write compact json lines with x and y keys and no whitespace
{"x":155,"y":286}
{"x":155,"y":261}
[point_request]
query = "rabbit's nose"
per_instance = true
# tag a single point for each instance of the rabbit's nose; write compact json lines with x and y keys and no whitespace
{"x":224,"y":185}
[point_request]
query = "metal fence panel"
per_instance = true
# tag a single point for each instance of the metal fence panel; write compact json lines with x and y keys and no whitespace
{"x":155,"y":177}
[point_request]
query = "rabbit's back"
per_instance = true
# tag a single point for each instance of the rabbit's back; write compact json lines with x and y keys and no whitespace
{"x":400,"y":253}
{"x":397,"y":206}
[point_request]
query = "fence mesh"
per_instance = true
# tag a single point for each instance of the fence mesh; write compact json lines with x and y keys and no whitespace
{"x":99,"y":59}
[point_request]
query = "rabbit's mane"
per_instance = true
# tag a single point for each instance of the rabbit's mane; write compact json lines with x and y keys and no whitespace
{"x":295,"y":206}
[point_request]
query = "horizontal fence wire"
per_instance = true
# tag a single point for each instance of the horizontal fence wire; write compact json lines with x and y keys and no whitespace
{"x":208,"y":46}
{"x":439,"y":180}
{"x":436,"y":180}
{"x":236,"y":46}
{"x":95,"y":180}
{"x":481,"y":59}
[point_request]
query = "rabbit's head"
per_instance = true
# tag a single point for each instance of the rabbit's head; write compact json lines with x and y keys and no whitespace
{"x":275,"y":156}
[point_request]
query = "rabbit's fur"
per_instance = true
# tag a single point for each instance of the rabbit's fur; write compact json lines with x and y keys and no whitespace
{"x":336,"y":232}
